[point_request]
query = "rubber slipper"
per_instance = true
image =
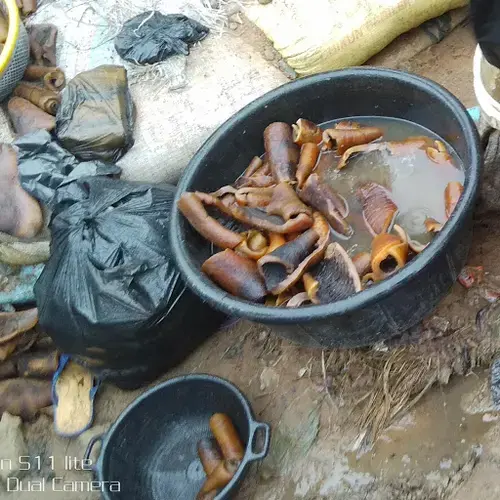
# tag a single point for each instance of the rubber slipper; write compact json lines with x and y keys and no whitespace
{"x":73,"y":392}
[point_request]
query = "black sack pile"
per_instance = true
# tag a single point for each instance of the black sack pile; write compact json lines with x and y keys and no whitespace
{"x":152,"y":37}
{"x":110,"y":295}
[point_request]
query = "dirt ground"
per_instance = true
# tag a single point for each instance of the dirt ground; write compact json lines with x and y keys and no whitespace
{"x":448,"y":63}
{"x":446,"y":447}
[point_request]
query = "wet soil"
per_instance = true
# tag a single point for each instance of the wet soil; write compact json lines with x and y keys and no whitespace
{"x":432,"y":437}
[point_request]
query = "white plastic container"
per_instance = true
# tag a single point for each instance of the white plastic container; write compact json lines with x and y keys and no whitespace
{"x":487,"y":84}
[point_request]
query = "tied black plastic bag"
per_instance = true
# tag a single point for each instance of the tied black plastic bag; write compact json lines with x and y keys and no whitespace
{"x":95,"y":120}
{"x":151,"y":37}
{"x":44,"y":166}
{"x":486,"y":21}
{"x":110,"y":295}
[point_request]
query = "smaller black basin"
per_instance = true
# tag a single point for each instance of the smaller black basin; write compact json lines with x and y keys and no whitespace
{"x":151,"y":450}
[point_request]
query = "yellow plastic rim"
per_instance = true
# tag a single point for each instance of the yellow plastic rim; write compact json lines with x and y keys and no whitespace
{"x":12,"y":35}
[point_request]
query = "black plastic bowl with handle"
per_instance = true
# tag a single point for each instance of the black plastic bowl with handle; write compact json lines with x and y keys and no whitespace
{"x":397,"y":303}
{"x":150,"y":452}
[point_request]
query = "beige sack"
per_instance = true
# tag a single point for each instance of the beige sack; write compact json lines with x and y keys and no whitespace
{"x":221,"y":75}
{"x":321,"y":35}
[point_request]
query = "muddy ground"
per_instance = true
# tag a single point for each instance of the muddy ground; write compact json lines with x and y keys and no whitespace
{"x":446,"y":447}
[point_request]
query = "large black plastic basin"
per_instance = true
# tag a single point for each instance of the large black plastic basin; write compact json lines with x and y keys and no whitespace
{"x":392,"y":306}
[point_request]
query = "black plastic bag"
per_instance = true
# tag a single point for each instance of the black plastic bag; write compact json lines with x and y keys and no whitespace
{"x":495,"y":383}
{"x":151,"y":37}
{"x":486,"y":21}
{"x":110,"y":294}
{"x":44,"y":166}
{"x":95,"y":120}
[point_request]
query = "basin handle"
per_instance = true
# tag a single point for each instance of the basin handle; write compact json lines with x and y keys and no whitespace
{"x":90,"y":447}
{"x":254,"y":427}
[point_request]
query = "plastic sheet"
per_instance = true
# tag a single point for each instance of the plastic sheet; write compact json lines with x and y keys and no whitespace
{"x":44,"y":166}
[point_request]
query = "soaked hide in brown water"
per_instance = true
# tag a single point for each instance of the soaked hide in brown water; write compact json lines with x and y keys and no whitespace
{"x":276,"y":266}
{"x":309,"y":155}
{"x":336,"y":276}
{"x":236,"y":274}
{"x":305,"y":131}
{"x":285,"y":202}
{"x":256,"y":217}
{"x":255,"y":181}
{"x":326,"y":200}
{"x":285,"y":266}
{"x":193,"y":209}
{"x":452,"y":195}
{"x":344,"y":136}
{"x":282,"y":153}
{"x":379,"y":210}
